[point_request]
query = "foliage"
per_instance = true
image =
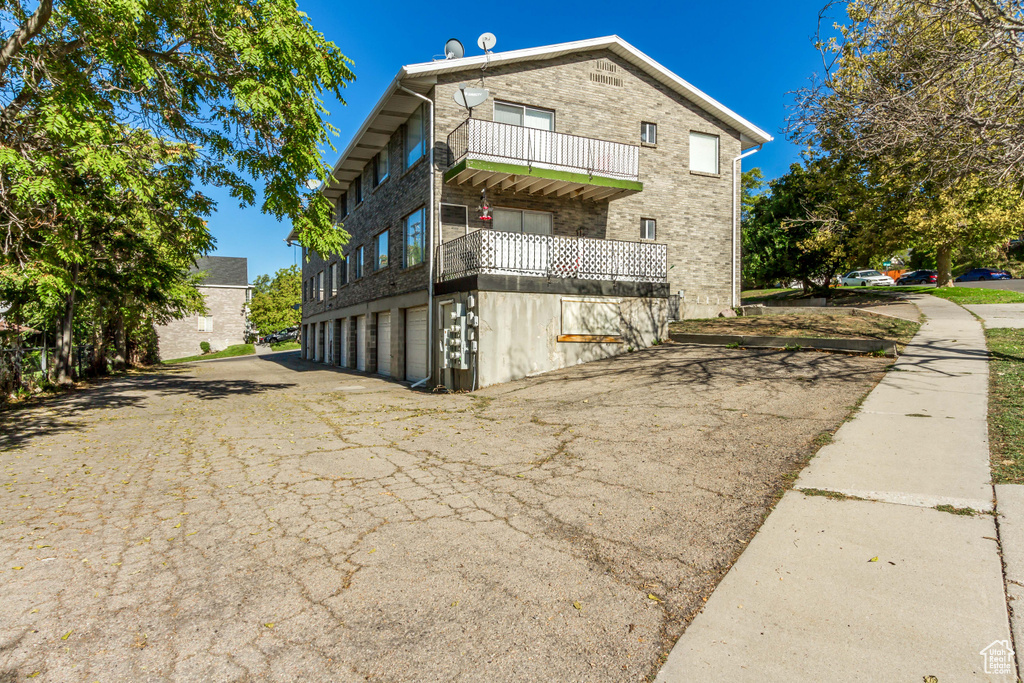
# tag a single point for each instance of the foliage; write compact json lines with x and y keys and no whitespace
{"x":204,"y":346}
{"x":236,"y":83}
{"x":1006,"y":404}
{"x":273,"y":301}
{"x":804,"y":226}
{"x":930,"y":95}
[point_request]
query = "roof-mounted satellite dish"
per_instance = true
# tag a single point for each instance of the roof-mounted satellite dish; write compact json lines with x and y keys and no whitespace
{"x":470,"y":97}
{"x":453,"y":49}
{"x":486,"y":42}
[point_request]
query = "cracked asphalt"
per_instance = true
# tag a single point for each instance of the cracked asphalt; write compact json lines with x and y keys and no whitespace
{"x":265,"y":518}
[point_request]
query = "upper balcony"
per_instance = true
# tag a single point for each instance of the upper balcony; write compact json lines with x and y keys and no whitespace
{"x":540,"y":162}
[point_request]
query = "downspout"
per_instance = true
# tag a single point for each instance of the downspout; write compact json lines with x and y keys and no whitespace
{"x":735,"y":223}
{"x":433,"y":245}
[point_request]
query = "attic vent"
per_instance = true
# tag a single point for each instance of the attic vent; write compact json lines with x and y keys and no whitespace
{"x":455,"y":215}
{"x":605,"y":65}
{"x":604,"y":79}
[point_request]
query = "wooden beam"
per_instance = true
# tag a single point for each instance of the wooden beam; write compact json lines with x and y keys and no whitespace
{"x":508,"y":182}
{"x":552,"y":189}
{"x":497,"y":179}
{"x":535,"y":182}
{"x":571,"y":187}
{"x":539,"y":188}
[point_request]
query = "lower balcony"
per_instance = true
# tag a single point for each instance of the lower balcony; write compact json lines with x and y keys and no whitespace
{"x":505,"y":157}
{"x":491,"y":252}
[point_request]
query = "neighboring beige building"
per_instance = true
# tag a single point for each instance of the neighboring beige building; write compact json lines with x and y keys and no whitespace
{"x":227,"y":292}
{"x":587,"y":197}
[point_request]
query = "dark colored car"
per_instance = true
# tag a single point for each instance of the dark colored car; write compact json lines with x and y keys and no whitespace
{"x":291,"y":334}
{"x":975,"y":274}
{"x":919,"y":277}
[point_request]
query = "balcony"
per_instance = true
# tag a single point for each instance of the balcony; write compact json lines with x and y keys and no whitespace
{"x":513,"y":158}
{"x":491,"y":252}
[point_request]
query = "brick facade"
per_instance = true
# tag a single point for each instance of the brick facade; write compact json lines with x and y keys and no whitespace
{"x":227,"y":305}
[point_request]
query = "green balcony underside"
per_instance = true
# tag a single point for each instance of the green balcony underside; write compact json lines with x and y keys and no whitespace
{"x":503,"y":176}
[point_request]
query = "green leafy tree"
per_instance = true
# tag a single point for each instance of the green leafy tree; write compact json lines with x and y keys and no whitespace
{"x":274,"y":300}
{"x":238,"y":83}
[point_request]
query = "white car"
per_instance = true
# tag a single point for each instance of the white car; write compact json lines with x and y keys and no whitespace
{"x":863,"y":278}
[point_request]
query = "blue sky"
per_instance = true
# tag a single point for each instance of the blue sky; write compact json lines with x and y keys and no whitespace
{"x":747,"y":55}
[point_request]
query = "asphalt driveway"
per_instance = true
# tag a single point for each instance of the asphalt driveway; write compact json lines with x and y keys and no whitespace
{"x":264,"y":518}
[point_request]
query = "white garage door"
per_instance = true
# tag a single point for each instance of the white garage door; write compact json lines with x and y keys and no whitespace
{"x":343,"y":352}
{"x":361,"y":343}
{"x":415,"y":343}
{"x":384,"y":344}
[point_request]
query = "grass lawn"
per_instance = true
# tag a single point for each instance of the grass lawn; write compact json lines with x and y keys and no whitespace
{"x":804,"y":325}
{"x":1006,"y":405}
{"x":958,"y":295}
{"x":230,"y":352}
{"x":285,"y":346}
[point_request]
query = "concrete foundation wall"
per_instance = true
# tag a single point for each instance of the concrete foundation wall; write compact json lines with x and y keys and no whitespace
{"x":518,"y":333}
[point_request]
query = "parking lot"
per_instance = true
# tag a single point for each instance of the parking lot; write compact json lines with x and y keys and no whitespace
{"x":264,"y":517}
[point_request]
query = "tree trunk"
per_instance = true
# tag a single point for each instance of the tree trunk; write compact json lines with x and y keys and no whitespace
{"x":944,"y":265}
{"x":120,"y":343}
{"x":63,"y":362}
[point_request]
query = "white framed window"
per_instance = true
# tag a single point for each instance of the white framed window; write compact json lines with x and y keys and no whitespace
{"x":206,"y":323}
{"x":320,"y":293}
{"x":332,"y":287}
{"x":648,"y":229}
{"x":415,"y":137}
{"x":649,"y":133}
{"x":703,"y":152}
{"x":517,"y":220}
{"x":382,"y":251}
{"x":414,"y":244}
{"x":520,"y":115}
{"x":381,"y":167}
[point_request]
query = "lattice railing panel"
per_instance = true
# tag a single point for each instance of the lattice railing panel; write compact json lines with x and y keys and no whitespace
{"x":512,"y":253}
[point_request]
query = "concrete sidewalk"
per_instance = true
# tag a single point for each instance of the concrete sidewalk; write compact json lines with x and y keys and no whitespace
{"x":873,"y":582}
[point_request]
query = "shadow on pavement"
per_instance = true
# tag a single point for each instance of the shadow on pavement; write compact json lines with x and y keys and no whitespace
{"x":21,"y":424}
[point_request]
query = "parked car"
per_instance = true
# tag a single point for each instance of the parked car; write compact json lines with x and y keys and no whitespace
{"x":863,"y":278}
{"x":975,"y":274}
{"x":290,"y":334}
{"x":919,"y":277}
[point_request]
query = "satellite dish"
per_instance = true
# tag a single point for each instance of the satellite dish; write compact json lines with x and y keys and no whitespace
{"x":453,"y":49}
{"x":312,"y":184}
{"x":486,"y":42}
{"x":470,"y":97}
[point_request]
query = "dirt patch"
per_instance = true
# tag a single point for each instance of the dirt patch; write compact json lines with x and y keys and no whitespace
{"x":817,"y":326}
{"x":253,"y":521}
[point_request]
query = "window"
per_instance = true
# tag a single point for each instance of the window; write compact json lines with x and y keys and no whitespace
{"x":415,"y":244}
{"x":320,"y":286}
{"x":649,"y":133}
{"x":343,"y":273}
{"x":331,"y":284}
{"x":415,"y":137}
{"x":206,"y":323}
{"x":382,"y":250}
{"x":357,"y":184}
{"x":648,"y":229}
{"x":380,"y":167}
{"x":518,"y":115}
{"x":703,"y":153}
{"x":357,"y":263}
{"x":341,"y":208}
{"x":514,"y":220}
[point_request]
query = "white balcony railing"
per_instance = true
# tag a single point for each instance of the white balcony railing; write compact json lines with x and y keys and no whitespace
{"x":511,"y":253}
{"x":507,"y":143}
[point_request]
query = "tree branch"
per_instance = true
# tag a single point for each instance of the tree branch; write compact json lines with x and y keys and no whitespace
{"x":20,"y":38}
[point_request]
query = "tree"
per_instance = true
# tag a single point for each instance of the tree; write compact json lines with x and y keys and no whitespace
{"x":236,"y":82}
{"x":930,"y":93}
{"x":806,"y":225}
{"x":274,"y":300}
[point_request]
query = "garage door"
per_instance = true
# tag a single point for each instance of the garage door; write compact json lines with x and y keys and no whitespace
{"x":384,"y":344}
{"x":343,"y":351}
{"x":361,"y":343}
{"x":415,"y":343}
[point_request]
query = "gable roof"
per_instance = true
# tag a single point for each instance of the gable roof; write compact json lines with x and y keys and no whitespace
{"x":395,"y":105}
{"x":230,"y":271}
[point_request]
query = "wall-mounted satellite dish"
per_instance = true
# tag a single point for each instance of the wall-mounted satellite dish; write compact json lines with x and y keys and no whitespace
{"x":486,"y":42}
{"x":453,"y":49}
{"x":312,"y":183}
{"x":470,"y":97}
